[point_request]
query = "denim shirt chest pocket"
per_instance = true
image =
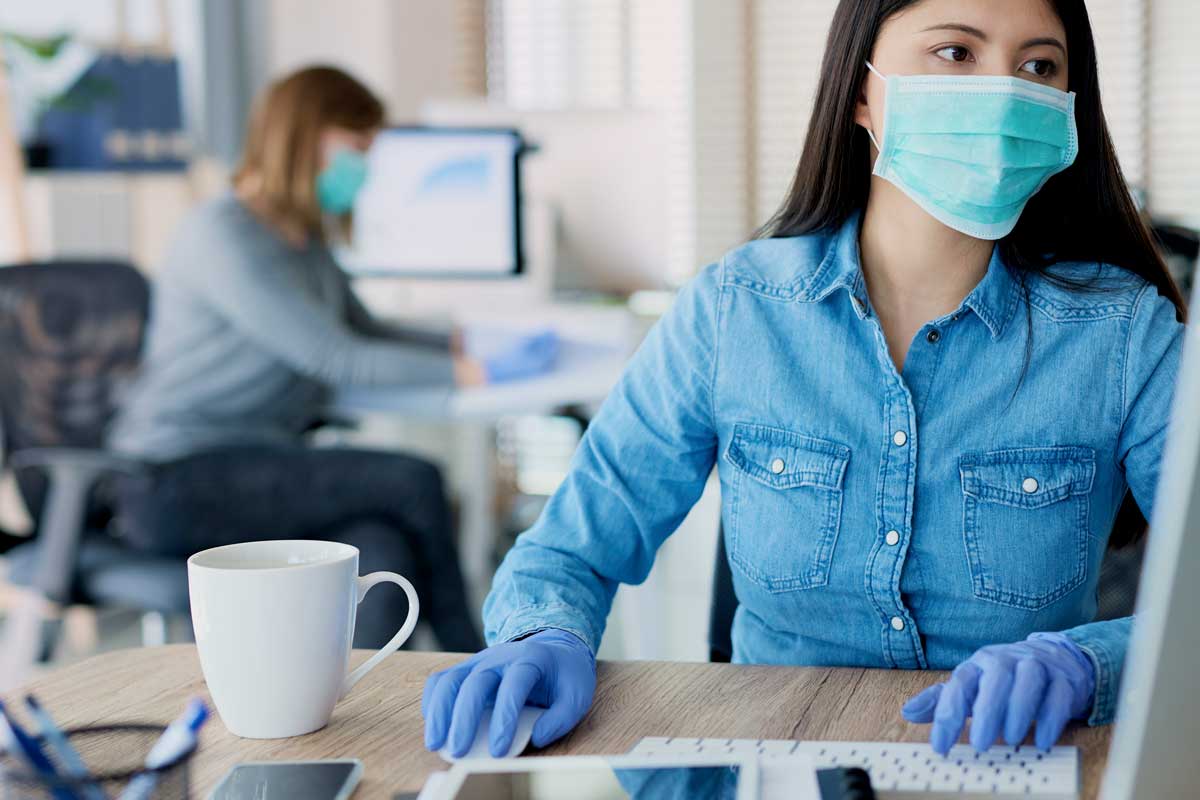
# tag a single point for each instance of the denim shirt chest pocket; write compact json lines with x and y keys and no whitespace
{"x":1025,"y":522}
{"x":786,"y":506}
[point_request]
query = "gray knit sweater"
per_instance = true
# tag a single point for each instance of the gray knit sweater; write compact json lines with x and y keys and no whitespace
{"x":247,"y":335}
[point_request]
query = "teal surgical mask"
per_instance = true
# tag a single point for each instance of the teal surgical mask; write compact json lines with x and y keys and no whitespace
{"x":339,"y":182}
{"x":972,"y":150}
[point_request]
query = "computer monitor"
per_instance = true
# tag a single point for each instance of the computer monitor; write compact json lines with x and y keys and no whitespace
{"x":439,"y":203}
{"x":1153,"y":753}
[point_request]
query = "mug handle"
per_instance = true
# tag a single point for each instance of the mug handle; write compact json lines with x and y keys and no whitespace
{"x":364,"y":585}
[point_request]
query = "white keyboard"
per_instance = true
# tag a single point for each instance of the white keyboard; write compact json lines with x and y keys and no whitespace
{"x":904,"y":770}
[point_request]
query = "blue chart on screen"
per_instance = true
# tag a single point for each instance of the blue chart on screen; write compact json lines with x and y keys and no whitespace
{"x":440,"y":202}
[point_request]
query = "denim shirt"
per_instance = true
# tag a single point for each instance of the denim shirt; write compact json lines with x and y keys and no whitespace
{"x":873,"y":517}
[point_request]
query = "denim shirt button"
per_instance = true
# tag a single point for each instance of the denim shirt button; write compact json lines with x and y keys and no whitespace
{"x":900,"y":438}
{"x":897,"y":624}
{"x":893,"y":538}
{"x":777,"y":466}
{"x":933,"y":336}
{"x":1030,"y":485}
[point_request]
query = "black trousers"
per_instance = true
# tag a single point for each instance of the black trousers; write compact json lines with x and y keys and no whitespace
{"x":391,"y":506}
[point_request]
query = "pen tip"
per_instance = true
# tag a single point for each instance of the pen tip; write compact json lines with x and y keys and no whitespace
{"x":197,"y":713}
{"x":32,"y":702}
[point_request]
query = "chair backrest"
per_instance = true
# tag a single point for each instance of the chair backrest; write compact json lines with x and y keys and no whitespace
{"x":724,"y":606}
{"x":70,"y":337}
{"x":1181,"y":248}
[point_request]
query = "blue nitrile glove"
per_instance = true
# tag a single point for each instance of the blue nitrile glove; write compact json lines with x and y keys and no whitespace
{"x":552,"y":669}
{"x":1007,"y":686}
{"x":532,"y":355}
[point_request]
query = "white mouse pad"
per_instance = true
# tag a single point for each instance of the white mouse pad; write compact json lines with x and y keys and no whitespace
{"x":479,"y":748}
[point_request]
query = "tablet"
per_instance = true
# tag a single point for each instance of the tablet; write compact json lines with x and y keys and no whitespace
{"x":604,"y":778}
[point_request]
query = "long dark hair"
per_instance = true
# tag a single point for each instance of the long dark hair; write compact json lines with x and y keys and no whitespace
{"x":1085,"y":213}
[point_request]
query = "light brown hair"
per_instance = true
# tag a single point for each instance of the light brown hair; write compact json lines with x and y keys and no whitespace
{"x":281,"y":159}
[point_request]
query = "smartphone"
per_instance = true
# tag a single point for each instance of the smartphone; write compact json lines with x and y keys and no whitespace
{"x":290,"y":780}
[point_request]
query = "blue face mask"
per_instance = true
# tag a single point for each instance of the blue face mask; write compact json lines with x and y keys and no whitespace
{"x":339,"y":182}
{"x":972,"y":150}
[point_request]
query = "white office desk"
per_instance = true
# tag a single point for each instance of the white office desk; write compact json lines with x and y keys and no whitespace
{"x":596,"y":343}
{"x":584,"y":374}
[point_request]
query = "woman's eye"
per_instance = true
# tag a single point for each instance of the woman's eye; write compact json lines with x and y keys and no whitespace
{"x":1041,"y":67}
{"x":954,"y":52}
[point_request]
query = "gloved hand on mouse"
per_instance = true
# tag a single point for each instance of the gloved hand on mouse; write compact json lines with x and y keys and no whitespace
{"x":553,"y":669}
{"x":1006,"y":688}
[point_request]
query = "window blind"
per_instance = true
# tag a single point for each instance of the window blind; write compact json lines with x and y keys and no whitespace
{"x":688,"y":62}
{"x":1149,"y":66}
{"x":545,"y":54}
{"x":1120,"y":28}
{"x":660,"y":72}
{"x":470,"y":47}
{"x":788,"y":44}
{"x":1174,"y":111}
{"x":721,"y":43}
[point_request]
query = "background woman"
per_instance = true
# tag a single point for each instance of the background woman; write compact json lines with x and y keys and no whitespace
{"x":252,"y":324}
{"x":926,"y":394}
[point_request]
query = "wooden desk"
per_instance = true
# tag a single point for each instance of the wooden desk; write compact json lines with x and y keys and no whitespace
{"x":380,"y":722}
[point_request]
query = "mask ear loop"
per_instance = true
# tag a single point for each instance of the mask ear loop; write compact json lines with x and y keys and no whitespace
{"x":883,"y":78}
{"x":874,"y":141}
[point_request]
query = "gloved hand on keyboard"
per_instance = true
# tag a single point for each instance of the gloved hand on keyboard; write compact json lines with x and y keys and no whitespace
{"x":531,"y":356}
{"x":552,"y":668}
{"x":1007,"y":687}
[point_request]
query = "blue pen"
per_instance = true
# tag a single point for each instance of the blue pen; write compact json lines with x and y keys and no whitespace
{"x":177,"y":739}
{"x":70,"y":759}
{"x":22,"y":744}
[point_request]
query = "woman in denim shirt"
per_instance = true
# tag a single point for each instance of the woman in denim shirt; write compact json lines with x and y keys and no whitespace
{"x":926,"y":391}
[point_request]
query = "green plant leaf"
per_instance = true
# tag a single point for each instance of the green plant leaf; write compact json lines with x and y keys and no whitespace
{"x":43,"y":47}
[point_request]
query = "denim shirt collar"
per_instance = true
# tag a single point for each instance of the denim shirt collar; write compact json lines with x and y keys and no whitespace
{"x":994,"y":298}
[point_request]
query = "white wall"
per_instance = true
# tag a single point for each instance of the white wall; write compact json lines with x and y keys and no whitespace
{"x":405,"y":50}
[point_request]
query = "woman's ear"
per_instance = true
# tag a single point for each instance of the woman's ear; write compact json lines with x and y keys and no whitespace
{"x":862,"y":107}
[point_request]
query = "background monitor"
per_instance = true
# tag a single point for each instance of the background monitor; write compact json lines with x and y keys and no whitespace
{"x":439,"y":203}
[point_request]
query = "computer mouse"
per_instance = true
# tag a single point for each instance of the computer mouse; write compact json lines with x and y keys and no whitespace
{"x":479,"y":748}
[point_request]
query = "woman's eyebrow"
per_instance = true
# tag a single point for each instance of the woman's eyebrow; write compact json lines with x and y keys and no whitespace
{"x":1047,"y":40}
{"x":978,"y":34}
{"x":958,"y":26}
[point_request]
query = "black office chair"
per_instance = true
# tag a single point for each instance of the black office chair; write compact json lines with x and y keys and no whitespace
{"x":723,"y":607}
{"x":70,"y":338}
{"x":1181,"y":248}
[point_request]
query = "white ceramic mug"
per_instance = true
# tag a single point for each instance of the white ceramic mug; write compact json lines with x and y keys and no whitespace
{"x":274,"y":622}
